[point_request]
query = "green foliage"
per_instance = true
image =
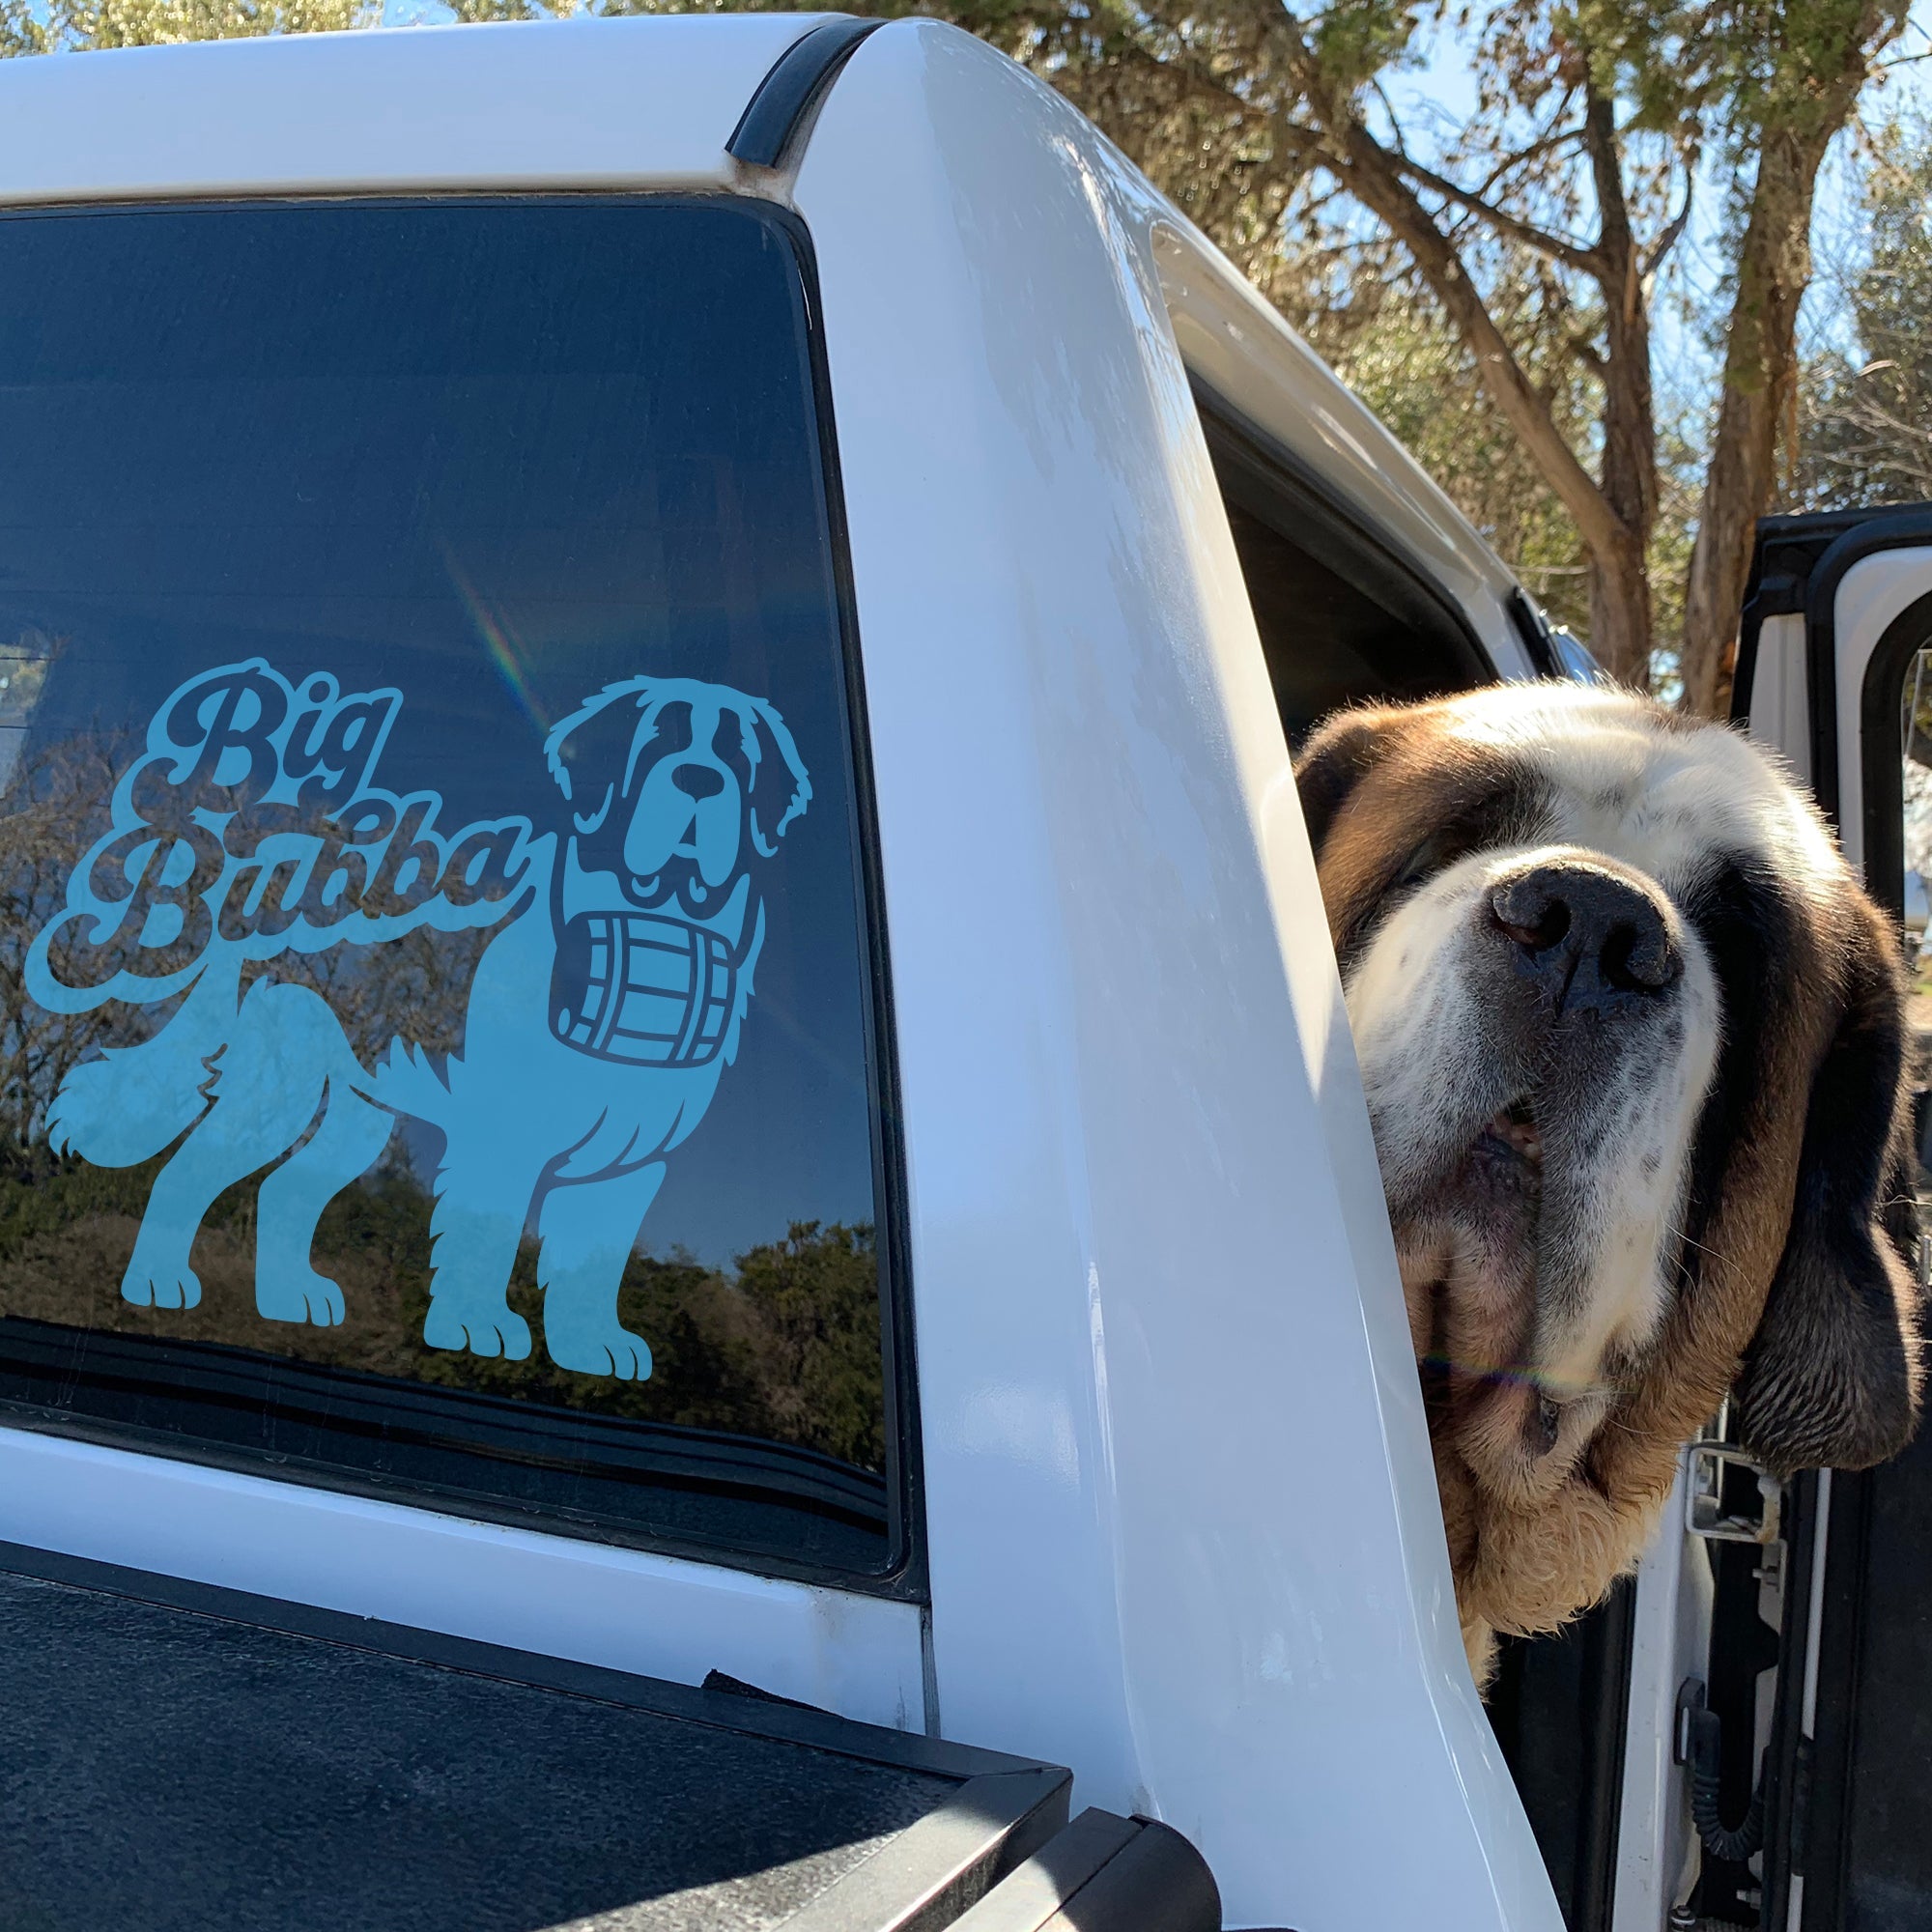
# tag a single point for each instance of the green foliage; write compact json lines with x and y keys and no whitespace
{"x":1865,"y":407}
{"x":1358,"y":39}
{"x":1242,"y":114}
{"x":816,"y":1296}
{"x":71,"y":24}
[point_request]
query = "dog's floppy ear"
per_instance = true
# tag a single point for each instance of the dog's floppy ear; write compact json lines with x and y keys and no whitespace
{"x":780,"y":789}
{"x":1831,"y":1378}
{"x":1340,"y":753}
{"x":591,"y":751}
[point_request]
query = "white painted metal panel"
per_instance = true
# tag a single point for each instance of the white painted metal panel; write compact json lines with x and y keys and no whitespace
{"x":1780,"y":711}
{"x":571,"y":103}
{"x":557,"y":1596}
{"x":1874,"y":591}
{"x":1184,"y":1526}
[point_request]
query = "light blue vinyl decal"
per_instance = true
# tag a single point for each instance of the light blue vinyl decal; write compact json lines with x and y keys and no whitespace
{"x":601,"y":1015}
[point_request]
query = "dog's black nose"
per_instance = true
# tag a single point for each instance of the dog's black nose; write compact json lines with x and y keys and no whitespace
{"x":697,"y":780}
{"x":1585,"y":935}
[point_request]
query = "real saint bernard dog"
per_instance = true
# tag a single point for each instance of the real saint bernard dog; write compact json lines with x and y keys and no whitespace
{"x":1634,"y":1047}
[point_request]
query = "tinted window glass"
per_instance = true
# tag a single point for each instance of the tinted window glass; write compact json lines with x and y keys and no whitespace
{"x":446,"y":1059}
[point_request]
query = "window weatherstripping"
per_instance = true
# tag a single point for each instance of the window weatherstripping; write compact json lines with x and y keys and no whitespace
{"x":1552,"y":650}
{"x":783,"y":106}
{"x":1538,"y":639}
{"x":455,"y":1063}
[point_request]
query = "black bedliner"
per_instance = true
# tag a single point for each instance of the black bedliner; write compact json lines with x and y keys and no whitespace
{"x":175,"y":1757}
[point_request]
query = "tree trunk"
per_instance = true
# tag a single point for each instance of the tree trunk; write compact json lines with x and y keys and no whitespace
{"x":1761,"y":355}
{"x":1620,"y":633}
{"x":1612,"y":516}
{"x":1760,"y":373}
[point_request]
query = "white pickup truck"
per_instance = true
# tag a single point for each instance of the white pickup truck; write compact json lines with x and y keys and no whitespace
{"x":766,"y":535}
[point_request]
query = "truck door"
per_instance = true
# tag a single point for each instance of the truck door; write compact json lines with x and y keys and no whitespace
{"x":1836,"y":668}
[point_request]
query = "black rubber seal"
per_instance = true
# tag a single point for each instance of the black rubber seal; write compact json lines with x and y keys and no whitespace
{"x":1533,"y":634}
{"x":787,"y":94}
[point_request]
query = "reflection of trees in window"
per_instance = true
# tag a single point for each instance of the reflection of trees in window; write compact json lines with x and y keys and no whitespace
{"x":785,"y":1346}
{"x":57,"y":805}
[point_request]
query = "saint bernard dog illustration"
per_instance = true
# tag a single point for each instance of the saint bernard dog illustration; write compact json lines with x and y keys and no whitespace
{"x":603,"y":1011}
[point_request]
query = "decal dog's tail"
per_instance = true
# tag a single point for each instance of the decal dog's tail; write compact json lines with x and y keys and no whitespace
{"x":127,"y":1106}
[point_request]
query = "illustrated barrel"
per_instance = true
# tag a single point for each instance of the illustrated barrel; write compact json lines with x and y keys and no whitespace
{"x":631,"y":986}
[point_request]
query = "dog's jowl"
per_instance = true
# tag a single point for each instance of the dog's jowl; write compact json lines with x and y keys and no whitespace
{"x":1633,"y":1046}
{"x":606,"y":1003}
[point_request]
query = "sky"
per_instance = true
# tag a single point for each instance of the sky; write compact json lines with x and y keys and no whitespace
{"x":1443,"y":90}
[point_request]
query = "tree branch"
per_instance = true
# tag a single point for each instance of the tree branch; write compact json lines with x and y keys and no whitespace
{"x":1661,"y":249}
{"x":1548,"y":145}
{"x":1613,"y":246}
{"x":1376,"y":176}
{"x":1555,"y":247}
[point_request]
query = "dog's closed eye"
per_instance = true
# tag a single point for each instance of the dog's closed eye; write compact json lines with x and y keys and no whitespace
{"x":1422,"y":862}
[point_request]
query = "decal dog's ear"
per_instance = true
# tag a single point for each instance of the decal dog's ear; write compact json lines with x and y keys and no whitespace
{"x":591,"y":750}
{"x":1831,"y":1378}
{"x":780,"y":789}
{"x":1337,"y":756}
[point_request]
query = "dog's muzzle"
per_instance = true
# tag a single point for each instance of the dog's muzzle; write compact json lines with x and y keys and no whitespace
{"x":634,"y":987}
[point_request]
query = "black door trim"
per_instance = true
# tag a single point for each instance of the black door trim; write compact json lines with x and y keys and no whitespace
{"x":1799,"y":565}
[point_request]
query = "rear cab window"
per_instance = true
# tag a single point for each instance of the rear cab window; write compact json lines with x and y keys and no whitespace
{"x":444,"y":1047}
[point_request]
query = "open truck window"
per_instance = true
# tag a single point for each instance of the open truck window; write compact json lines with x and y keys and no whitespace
{"x":441,"y":1041}
{"x":1342,"y":619}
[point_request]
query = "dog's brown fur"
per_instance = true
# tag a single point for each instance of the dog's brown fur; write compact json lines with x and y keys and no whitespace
{"x":1795,"y":1287}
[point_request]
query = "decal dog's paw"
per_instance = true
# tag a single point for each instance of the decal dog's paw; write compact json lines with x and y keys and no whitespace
{"x":598,"y":1349}
{"x":300,"y":1296}
{"x":160,"y":1288}
{"x":491,"y":1332}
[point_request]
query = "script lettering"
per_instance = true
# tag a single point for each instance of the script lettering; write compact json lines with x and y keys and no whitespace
{"x":254,"y":818}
